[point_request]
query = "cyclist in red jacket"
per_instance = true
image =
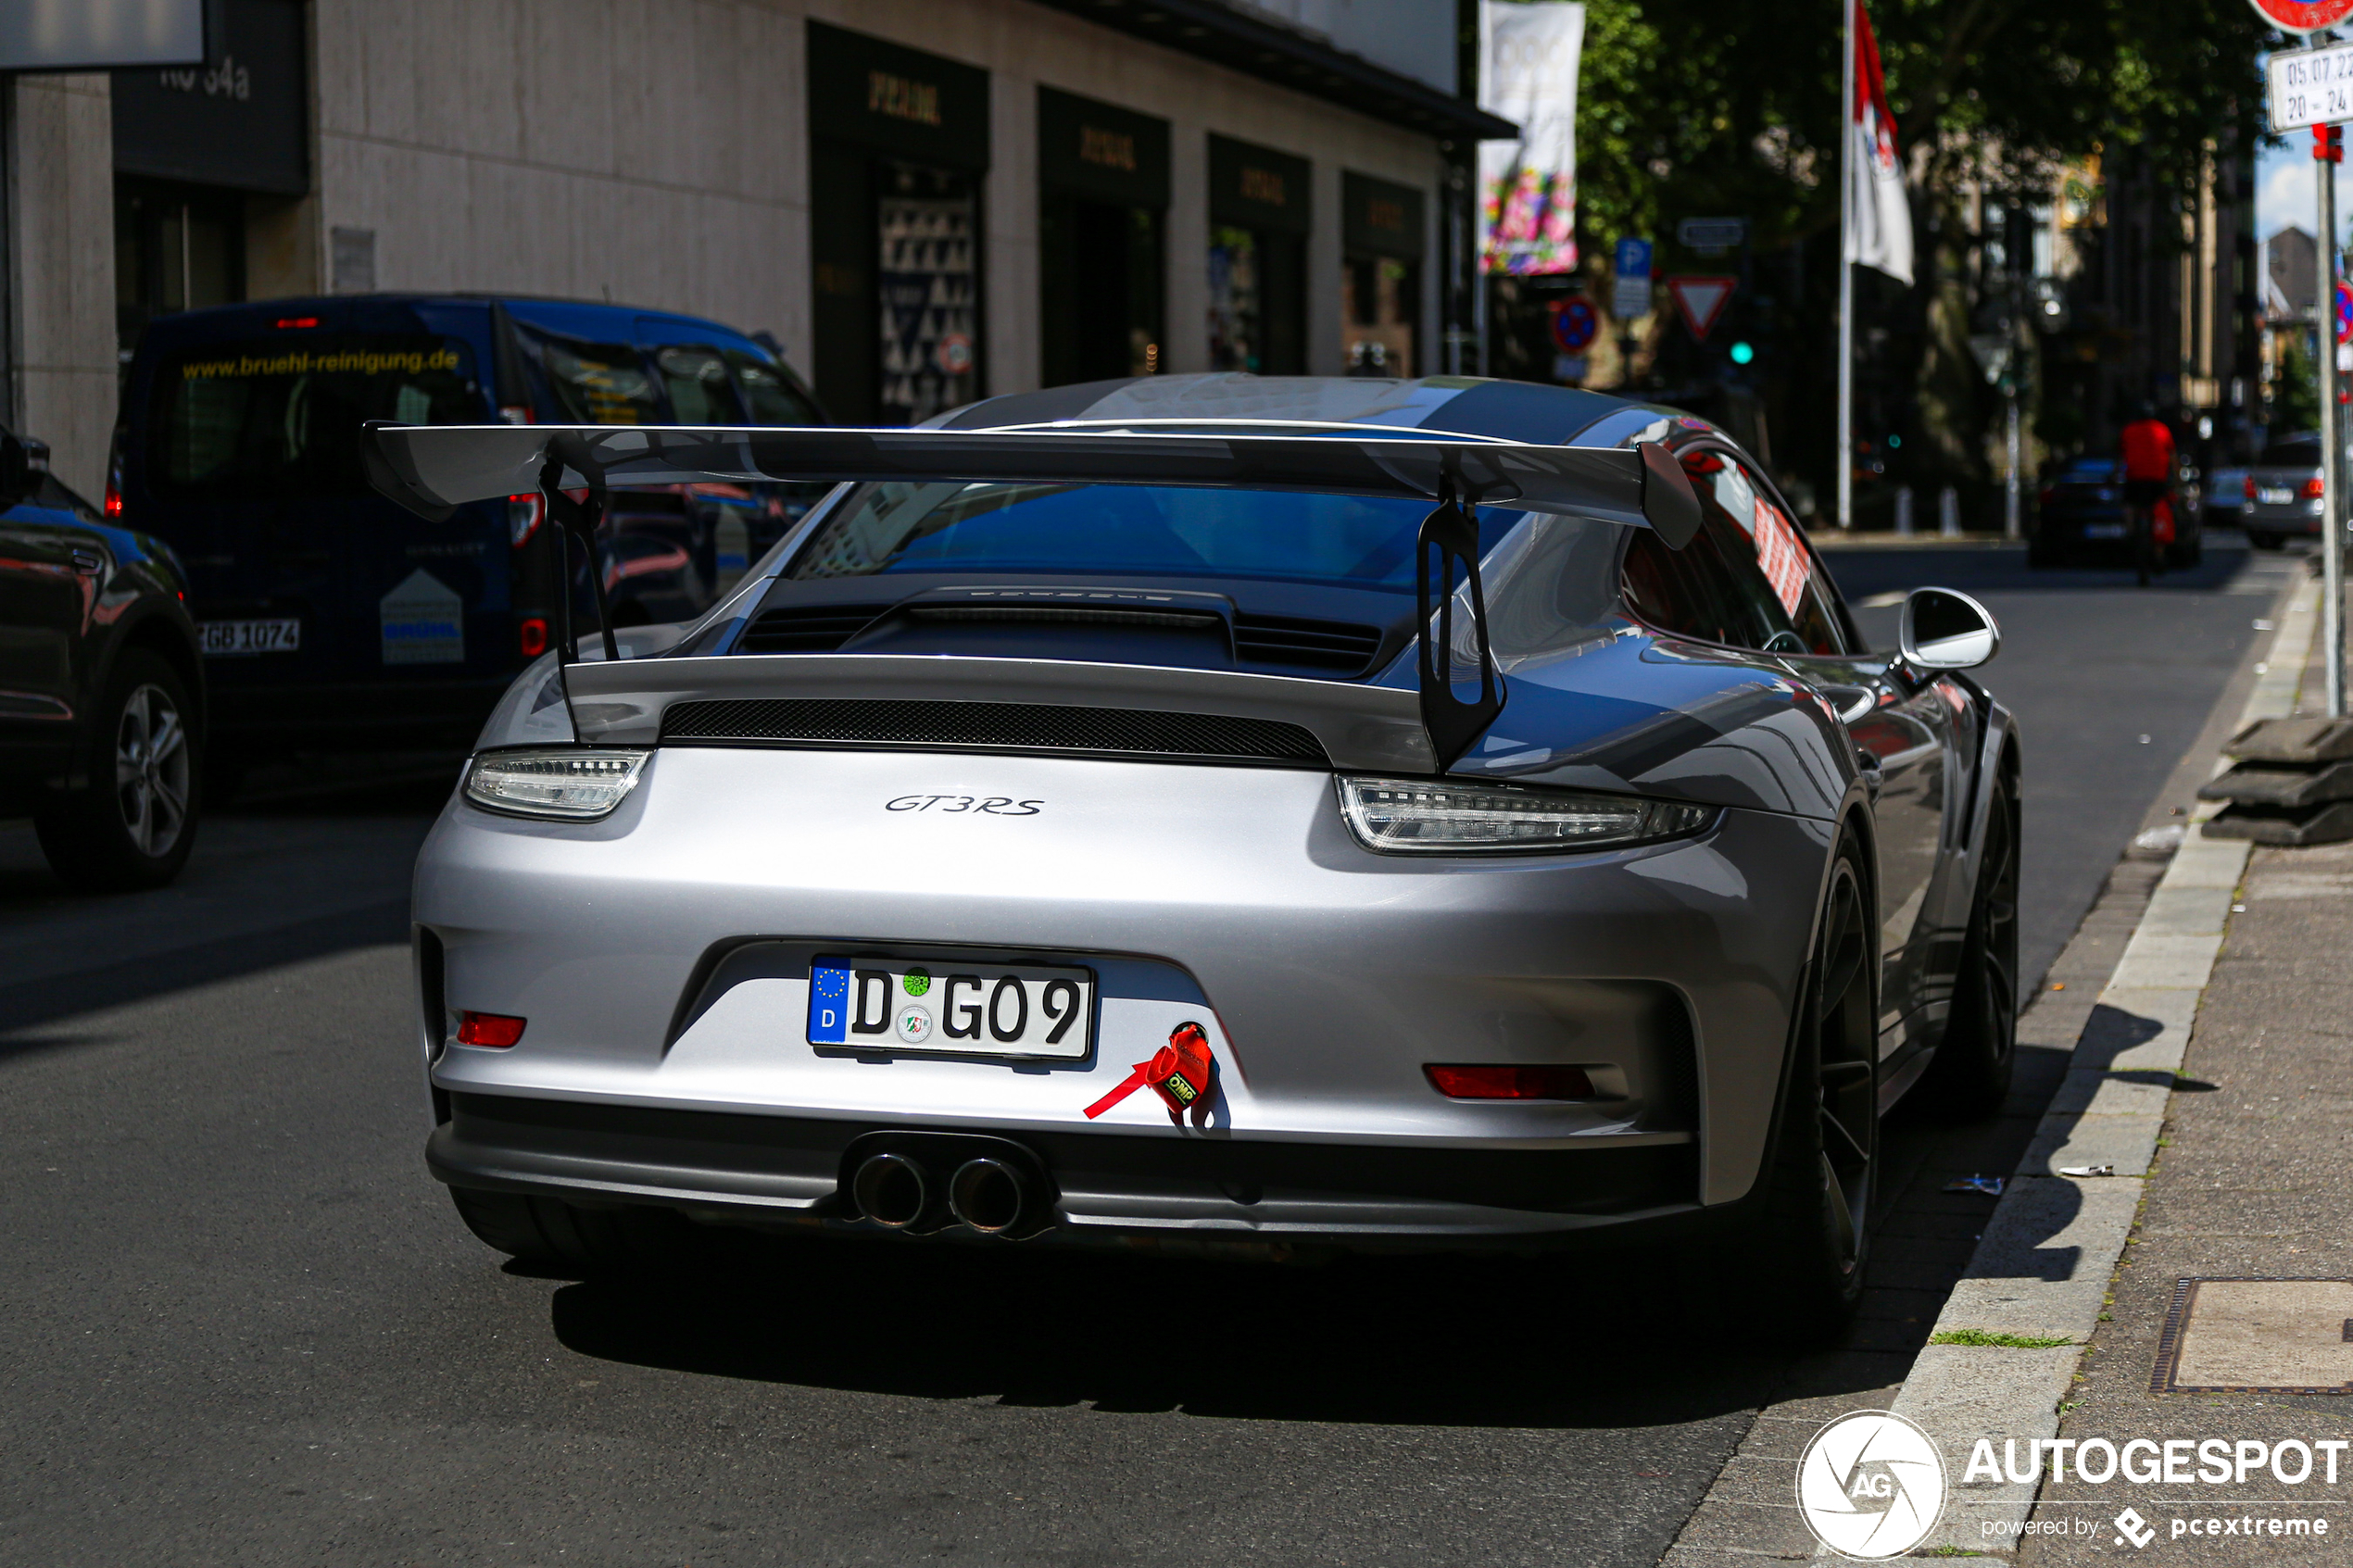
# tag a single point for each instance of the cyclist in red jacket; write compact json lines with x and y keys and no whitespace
{"x":2148,"y":479}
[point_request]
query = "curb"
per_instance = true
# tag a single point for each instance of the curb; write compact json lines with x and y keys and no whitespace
{"x":2042,"y":1266}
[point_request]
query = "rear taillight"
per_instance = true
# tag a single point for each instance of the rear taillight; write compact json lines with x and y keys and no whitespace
{"x":296,"y":324}
{"x":2313,"y":488}
{"x":531,"y":636}
{"x":524,"y":514}
{"x":493,"y":1029}
{"x":2249,"y":485}
{"x":113,"y":502}
{"x":1511,"y":1083}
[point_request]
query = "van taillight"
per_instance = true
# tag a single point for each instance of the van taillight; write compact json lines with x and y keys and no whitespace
{"x":531,"y":635}
{"x":113,"y":503}
{"x":524,"y":514}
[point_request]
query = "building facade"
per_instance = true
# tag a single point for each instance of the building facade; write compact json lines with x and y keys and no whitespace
{"x":924,"y":201}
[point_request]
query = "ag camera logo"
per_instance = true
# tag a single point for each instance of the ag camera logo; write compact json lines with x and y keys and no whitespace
{"x":1871,"y":1484}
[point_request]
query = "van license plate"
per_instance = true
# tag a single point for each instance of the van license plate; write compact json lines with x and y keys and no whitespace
{"x":228,"y":639}
{"x":2103,"y":531}
{"x":951,"y":1008}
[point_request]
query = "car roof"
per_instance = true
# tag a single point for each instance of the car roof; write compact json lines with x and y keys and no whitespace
{"x":1506,"y":410}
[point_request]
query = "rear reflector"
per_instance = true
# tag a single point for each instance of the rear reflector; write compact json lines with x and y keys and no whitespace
{"x":488,"y":1029}
{"x":1511,"y":1083}
{"x":531,"y":635}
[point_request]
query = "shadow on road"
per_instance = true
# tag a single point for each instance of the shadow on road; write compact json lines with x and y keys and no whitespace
{"x":1448,"y":1341}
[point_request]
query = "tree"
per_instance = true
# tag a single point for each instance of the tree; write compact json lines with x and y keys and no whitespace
{"x":1732,"y":106}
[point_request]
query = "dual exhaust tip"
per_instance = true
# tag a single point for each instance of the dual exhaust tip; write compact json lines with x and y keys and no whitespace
{"x":900,"y":1193}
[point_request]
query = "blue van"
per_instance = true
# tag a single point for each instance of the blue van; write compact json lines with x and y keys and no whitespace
{"x":331,"y":617}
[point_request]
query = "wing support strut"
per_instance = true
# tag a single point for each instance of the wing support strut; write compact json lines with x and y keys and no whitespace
{"x":578,"y":519}
{"x":1453,"y":532}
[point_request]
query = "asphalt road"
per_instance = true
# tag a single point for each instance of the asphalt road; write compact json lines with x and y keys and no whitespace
{"x":242,"y":1326}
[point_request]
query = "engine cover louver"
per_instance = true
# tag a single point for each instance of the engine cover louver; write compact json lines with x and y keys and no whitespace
{"x":1336,"y":645}
{"x":807,"y":628}
{"x":992,"y":726}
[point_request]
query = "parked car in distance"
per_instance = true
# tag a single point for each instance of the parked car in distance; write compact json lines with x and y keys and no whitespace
{"x":329,"y":616}
{"x":2079,"y":512}
{"x":2283,"y":491}
{"x":2228,"y":491}
{"x":102,"y":693}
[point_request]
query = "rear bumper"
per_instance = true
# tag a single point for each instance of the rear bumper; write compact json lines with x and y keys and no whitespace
{"x":1103,"y":1189}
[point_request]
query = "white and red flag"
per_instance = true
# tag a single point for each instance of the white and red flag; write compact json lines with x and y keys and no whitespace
{"x":1879,"y":232}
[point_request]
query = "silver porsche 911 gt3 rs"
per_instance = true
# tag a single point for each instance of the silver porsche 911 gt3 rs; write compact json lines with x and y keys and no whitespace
{"x":1220,"y":813}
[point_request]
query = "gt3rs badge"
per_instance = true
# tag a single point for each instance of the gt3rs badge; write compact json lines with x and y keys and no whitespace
{"x":1180,"y":1072}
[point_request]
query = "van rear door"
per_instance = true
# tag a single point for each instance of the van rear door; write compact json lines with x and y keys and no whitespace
{"x":303,"y":576}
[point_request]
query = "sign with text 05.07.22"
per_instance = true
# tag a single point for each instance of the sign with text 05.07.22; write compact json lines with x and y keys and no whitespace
{"x":2309,"y":87}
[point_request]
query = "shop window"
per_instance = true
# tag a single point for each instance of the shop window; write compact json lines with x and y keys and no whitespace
{"x":1256,"y":303}
{"x":927,"y":284}
{"x":1101,"y":291}
{"x":1380,"y":297}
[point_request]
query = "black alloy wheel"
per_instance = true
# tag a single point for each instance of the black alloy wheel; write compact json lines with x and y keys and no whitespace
{"x":132,"y":824}
{"x":1970,"y":1074}
{"x":1797,"y":1270}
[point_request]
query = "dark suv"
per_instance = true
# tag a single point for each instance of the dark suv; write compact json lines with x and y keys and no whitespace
{"x":101,"y":687}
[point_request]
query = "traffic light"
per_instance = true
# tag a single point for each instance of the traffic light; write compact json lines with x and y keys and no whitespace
{"x":2328,"y":144}
{"x":1743,"y":352}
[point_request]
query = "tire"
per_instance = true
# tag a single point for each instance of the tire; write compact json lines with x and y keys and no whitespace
{"x":133,"y":823}
{"x":1969,"y":1076}
{"x":1796,"y":1270}
{"x":553,"y":1234}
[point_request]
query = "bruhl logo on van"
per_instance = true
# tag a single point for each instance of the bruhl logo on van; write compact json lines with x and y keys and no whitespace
{"x":423,"y":622}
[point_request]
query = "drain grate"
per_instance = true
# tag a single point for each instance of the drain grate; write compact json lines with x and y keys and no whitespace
{"x":2256,"y":1336}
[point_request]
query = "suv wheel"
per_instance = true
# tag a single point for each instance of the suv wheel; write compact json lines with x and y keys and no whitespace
{"x":134,"y":822}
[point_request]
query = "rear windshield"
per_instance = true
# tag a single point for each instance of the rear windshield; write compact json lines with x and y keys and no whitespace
{"x":2292,"y":455}
{"x":1358,"y":540}
{"x":273,"y":418}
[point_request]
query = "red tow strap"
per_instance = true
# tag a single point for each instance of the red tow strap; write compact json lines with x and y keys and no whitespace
{"x":1179,"y":1073}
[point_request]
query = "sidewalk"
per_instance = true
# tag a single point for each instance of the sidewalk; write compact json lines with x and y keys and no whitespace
{"x":2249,"y":1185}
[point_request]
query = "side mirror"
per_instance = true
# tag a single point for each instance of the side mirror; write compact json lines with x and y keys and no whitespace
{"x":1945,"y":629}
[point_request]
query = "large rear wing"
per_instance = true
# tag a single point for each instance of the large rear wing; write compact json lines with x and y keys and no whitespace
{"x":432,"y":470}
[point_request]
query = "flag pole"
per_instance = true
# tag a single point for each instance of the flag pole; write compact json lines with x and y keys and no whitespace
{"x":1846,"y":273}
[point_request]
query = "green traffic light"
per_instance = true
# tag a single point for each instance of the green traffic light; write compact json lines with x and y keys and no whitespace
{"x":1742,"y":354}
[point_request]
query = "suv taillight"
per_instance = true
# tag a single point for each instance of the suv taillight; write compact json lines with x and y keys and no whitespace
{"x":2249,"y":485}
{"x":113,"y":502}
{"x":524,"y":514}
{"x":2313,"y":488}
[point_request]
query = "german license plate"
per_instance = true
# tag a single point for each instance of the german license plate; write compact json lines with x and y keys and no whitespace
{"x":2103,"y":531}
{"x":2271,"y":498}
{"x":951,"y":1008}
{"x":227,"y":639}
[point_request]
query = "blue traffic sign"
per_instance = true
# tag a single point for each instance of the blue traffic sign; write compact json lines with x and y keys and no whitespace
{"x":1633,"y":258}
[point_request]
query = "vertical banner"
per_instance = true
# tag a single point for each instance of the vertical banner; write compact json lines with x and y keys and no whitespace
{"x":1529,"y":56}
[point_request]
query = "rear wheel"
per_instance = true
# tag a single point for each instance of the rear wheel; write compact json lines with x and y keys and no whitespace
{"x":134,"y":821}
{"x":1971,"y":1073}
{"x":1799,"y":1270}
{"x":554,"y":1233}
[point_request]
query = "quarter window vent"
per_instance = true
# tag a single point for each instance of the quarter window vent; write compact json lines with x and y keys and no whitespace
{"x":806,"y":628}
{"x":1336,"y":645}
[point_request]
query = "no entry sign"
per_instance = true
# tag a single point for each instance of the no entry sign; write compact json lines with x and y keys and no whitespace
{"x":2303,"y":15}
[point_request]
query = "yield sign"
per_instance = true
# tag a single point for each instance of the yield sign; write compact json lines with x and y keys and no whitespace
{"x":1701,"y":300}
